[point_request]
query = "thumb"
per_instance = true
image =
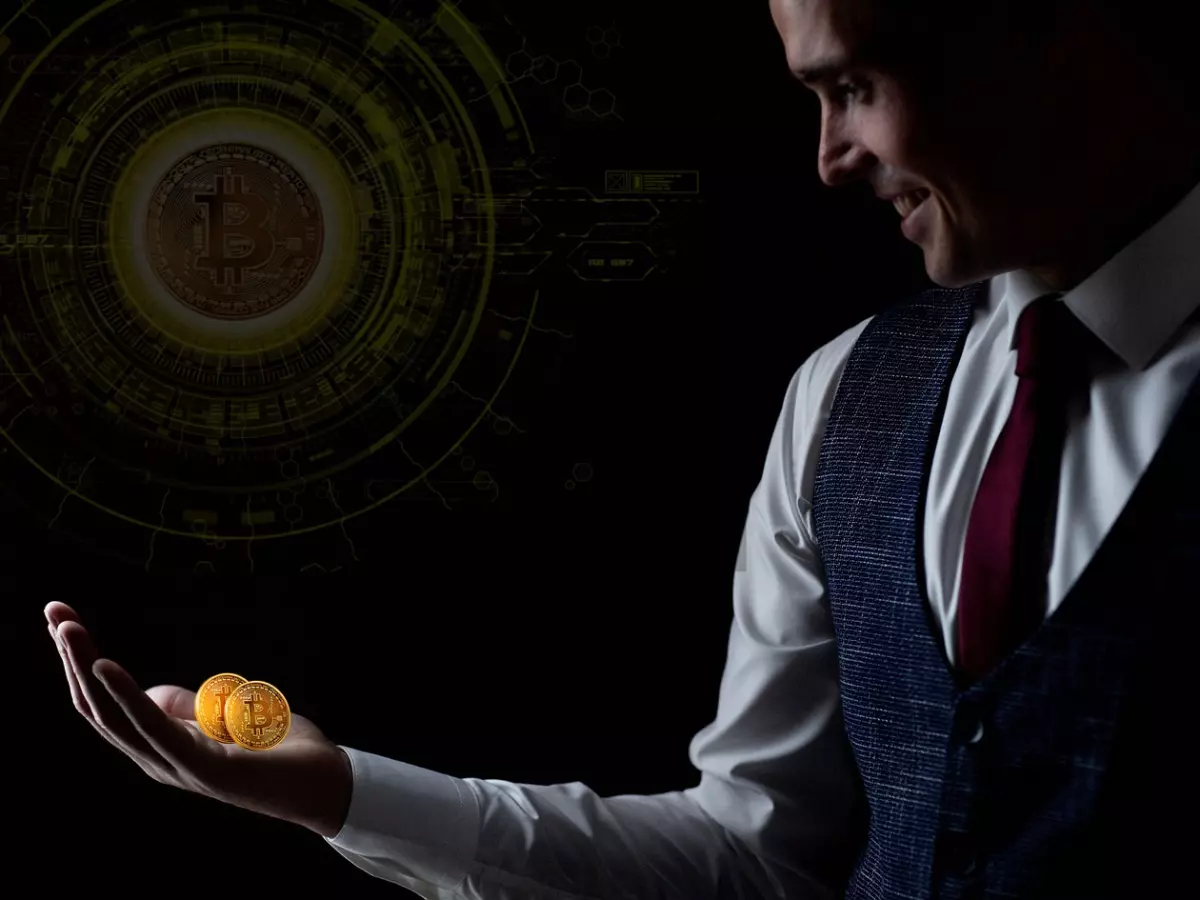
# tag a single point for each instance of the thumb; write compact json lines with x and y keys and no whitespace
{"x":175,"y":701}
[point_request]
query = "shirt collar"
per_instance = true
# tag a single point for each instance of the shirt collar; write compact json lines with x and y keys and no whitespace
{"x":1137,"y":300}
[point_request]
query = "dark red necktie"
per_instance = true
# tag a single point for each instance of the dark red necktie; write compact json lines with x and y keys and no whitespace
{"x":1002,"y":591}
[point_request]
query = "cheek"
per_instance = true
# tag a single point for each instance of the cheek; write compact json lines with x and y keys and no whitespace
{"x":948,"y":152}
{"x":903,"y":133}
{"x":905,"y":145}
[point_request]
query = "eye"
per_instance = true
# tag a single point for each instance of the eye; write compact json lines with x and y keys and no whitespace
{"x":848,"y":90}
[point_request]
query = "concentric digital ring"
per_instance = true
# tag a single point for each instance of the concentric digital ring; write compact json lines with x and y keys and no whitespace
{"x":260,"y":247}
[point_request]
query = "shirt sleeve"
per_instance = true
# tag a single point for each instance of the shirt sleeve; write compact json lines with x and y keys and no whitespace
{"x":773,"y":815}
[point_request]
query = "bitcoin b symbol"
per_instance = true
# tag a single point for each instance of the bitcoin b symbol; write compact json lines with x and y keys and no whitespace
{"x":263,"y":716}
{"x":255,"y":713}
{"x":234,"y":232}
{"x":235,"y":218}
{"x":210,"y":705}
{"x":220,"y":693}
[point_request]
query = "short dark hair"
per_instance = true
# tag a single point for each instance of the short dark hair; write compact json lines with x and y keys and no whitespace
{"x":928,"y":38}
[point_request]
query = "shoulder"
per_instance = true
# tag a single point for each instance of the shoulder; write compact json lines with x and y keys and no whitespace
{"x":920,"y":314}
{"x":806,"y":407}
{"x":815,"y":382}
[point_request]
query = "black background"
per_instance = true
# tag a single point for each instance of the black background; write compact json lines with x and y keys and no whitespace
{"x":570,"y":637}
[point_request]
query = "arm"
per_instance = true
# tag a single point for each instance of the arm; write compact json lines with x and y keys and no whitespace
{"x":772,"y":816}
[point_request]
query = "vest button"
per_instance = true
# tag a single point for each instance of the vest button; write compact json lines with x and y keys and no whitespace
{"x":976,"y":734}
{"x":968,"y":726}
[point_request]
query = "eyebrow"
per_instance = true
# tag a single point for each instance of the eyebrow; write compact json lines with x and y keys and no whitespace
{"x":827,"y":68}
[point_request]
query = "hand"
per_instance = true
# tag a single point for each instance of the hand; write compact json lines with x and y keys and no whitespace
{"x":306,"y":779}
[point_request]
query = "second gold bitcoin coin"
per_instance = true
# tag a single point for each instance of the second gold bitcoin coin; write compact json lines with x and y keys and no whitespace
{"x":210,"y":705}
{"x":257,"y":715}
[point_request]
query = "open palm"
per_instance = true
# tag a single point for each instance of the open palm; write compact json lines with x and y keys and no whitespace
{"x":306,"y":779}
{"x":179,"y":704}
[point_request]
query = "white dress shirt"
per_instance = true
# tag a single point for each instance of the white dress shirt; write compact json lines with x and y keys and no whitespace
{"x":776,"y":773}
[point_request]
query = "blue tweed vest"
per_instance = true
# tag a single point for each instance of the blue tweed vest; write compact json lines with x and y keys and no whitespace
{"x":1064,"y":772}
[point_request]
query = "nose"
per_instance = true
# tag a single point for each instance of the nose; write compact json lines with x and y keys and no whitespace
{"x":839,"y":159}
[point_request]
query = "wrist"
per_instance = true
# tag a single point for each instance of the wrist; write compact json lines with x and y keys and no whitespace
{"x":333,"y":791}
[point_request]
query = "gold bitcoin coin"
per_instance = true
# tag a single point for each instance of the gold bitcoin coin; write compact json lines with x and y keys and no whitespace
{"x":257,"y":715}
{"x":210,"y":705}
{"x":233,"y":231}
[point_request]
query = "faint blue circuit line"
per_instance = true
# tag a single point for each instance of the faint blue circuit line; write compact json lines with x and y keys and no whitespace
{"x":162,"y":523}
{"x":531,"y":325}
{"x":429,"y":484}
{"x":342,"y":513}
{"x":69,"y":492}
{"x":494,"y":415}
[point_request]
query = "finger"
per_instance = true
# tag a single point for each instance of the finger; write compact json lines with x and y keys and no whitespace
{"x":57,"y":612}
{"x":171,"y":741}
{"x":106,"y":713}
{"x":77,"y":695}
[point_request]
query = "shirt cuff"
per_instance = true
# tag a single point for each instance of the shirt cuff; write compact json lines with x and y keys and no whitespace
{"x":416,"y":822}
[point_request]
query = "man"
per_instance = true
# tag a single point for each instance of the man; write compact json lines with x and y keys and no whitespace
{"x":957,"y":664}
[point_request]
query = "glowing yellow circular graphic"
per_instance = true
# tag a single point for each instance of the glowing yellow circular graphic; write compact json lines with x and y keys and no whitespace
{"x":232,"y":309}
{"x":257,"y":260}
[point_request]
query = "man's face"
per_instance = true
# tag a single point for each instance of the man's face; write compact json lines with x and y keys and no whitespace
{"x":987,"y":151}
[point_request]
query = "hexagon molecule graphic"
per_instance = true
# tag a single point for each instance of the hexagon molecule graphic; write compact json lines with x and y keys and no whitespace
{"x":576,"y":97}
{"x":545,"y":69}
{"x":519,"y":64}
{"x":602,"y":102}
{"x":603,"y":40}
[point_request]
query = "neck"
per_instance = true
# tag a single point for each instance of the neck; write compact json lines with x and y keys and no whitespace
{"x":1158,"y":187}
{"x":1128,"y":172}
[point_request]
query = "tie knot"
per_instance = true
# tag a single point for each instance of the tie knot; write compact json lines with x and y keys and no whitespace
{"x":1049,"y":340}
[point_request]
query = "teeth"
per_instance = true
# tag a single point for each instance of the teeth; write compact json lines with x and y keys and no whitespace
{"x":906,"y":203}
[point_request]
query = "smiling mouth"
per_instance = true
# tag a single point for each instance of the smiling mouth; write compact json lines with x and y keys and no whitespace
{"x":906,"y":203}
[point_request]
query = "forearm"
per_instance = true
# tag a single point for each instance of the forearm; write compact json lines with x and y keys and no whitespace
{"x":566,"y":842}
{"x":450,"y":838}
